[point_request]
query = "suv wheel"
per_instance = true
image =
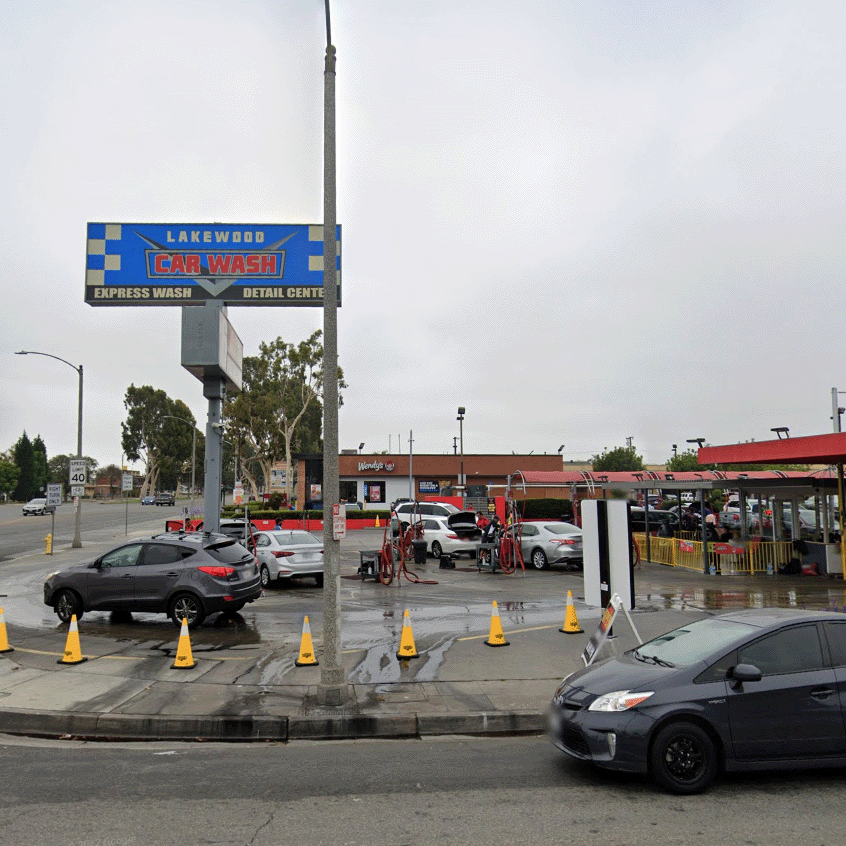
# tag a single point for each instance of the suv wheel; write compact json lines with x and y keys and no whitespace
{"x":189,"y":607}
{"x":67,"y":603}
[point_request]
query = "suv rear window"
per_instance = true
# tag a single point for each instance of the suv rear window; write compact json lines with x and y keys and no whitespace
{"x":229,"y":552}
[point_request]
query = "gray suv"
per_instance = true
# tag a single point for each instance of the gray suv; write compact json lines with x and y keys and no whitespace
{"x":186,"y":575}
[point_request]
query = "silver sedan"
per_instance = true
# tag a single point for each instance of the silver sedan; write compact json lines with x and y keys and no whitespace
{"x":550,"y":542}
{"x":285,"y":554}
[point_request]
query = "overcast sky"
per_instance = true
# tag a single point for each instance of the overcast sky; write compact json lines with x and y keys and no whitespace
{"x":582,"y":221}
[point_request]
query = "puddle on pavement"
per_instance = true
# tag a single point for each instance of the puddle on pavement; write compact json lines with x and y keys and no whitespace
{"x":729,"y":598}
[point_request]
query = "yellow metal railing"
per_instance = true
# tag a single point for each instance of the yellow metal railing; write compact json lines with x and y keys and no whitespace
{"x":755,"y":556}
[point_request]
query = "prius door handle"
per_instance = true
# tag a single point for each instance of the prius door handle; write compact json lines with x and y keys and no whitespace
{"x":822,"y":693}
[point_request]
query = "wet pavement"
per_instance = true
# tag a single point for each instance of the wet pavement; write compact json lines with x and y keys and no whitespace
{"x":246,"y":685}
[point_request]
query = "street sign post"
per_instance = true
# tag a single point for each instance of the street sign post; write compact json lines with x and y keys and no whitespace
{"x":126,"y":484}
{"x":54,"y":497}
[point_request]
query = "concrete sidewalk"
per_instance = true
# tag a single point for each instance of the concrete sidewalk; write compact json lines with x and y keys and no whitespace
{"x":127,"y":689}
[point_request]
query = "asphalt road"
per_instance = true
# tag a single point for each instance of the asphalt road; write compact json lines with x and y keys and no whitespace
{"x":487,"y":791}
{"x":20,"y":534}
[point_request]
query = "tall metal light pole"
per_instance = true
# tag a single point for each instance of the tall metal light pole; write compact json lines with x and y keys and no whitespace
{"x":332,"y":689}
{"x":77,"y":540}
{"x":193,"y":450}
{"x":460,"y":420}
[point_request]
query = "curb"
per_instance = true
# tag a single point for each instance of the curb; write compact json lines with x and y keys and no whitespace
{"x":263,"y":729}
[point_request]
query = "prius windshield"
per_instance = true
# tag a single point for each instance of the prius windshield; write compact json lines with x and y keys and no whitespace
{"x":692,"y":643}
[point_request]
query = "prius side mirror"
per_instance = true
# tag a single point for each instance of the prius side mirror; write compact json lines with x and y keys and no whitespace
{"x":744,"y":673}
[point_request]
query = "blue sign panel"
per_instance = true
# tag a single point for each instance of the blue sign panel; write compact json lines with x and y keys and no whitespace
{"x":181,"y":263}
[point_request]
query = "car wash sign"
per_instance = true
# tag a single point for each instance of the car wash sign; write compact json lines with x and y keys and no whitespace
{"x":183,"y":264}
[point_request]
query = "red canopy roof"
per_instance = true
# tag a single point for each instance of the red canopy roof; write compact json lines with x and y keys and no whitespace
{"x":815,"y":449}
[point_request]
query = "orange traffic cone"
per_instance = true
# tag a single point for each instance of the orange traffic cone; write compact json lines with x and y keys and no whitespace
{"x":496,"y":637}
{"x":571,"y":621}
{"x":4,"y":640}
{"x":184,"y":658}
{"x":307,"y":657}
{"x":377,"y":522}
{"x":72,"y":654}
{"x":407,"y":649}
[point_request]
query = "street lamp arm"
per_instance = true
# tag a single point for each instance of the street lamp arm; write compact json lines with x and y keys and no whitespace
{"x":77,"y":542}
{"x":49,"y":355}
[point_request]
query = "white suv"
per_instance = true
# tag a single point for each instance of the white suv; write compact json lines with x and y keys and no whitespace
{"x":38,"y":506}
{"x":409,"y":511}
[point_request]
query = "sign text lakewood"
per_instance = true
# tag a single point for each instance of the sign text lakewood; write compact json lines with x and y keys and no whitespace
{"x":181,"y":264}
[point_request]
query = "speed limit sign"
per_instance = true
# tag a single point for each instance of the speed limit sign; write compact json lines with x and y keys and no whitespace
{"x":78,"y":471}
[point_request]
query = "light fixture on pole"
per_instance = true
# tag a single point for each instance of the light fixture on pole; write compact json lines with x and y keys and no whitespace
{"x":193,"y":450}
{"x":460,"y":420}
{"x":675,"y":450}
{"x":360,"y":447}
{"x":781,"y":430}
{"x":560,"y":449}
{"x":77,"y":540}
{"x":699,"y":441}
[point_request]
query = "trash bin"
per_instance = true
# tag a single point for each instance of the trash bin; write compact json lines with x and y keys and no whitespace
{"x":418,"y":545}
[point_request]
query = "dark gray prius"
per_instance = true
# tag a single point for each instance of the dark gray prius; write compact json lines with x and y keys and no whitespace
{"x":755,"y":689}
{"x":186,"y":575}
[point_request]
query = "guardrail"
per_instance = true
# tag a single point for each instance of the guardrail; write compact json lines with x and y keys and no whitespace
{"x":753,"y":556}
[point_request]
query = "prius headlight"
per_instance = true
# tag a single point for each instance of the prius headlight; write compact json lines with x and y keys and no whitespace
{"x":619,"y":700}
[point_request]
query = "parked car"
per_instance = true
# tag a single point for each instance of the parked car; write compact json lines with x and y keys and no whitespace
{"x":164,"y":499}
{"x":238,"y":530}
{"x":550,"y":542}
{"x":184,"y":575}
{"x":749,"y":690}
{"x":38,"y":506}
{"x":454,"y":535}
{"x":147,"y":500}
{"x":408,"y":512}
{"x":807,"y":521}
{"x":285,"y":554}
{"x":664,"y":523}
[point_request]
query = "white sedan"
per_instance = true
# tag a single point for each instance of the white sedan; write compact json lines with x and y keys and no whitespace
{"x":451,"y":535}
{"x":284,"y":554}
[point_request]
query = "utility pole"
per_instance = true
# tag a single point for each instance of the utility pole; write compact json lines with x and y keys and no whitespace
{"x":332,"y":689}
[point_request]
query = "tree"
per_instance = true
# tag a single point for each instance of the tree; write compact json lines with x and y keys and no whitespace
{"x":150,"y":434}
{"x":39,"y":464}
{"x":111,"y":475}
{"x":9,"y":473}
{"x":22,"y":455}
{"x":686,"y":462}
{"x":618,"y":460}
{"x":278,"y":411}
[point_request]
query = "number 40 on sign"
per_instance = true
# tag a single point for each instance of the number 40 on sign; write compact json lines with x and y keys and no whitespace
{"x":78,"y":471}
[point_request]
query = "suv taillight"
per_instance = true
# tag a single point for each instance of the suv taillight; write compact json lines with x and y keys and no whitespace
{"x":220,"y":572}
